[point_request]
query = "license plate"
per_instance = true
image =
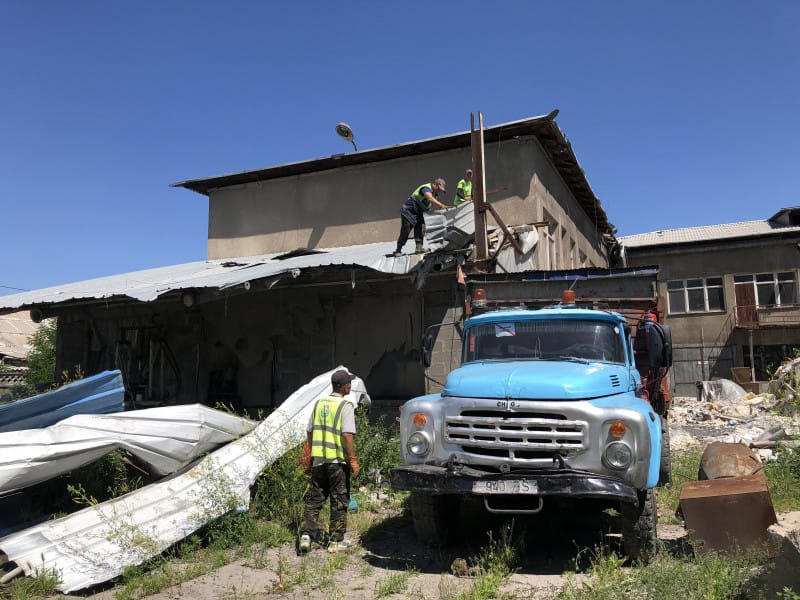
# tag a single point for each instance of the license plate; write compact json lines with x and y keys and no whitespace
{"x":505,"y":486}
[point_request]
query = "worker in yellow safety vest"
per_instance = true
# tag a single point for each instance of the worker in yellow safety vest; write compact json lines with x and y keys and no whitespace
{"x":420,"y":201}
{"x":331,"y":462}
{"x":464,"y":189}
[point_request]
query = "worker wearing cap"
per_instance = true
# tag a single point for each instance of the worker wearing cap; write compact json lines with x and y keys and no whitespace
{"x":464,"y":189}
{"x":333,"y":461}
{"x":421,"y":200}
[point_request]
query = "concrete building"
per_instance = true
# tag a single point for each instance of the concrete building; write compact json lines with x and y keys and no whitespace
{"x":298,"y":277}
{"x":731,"y":295}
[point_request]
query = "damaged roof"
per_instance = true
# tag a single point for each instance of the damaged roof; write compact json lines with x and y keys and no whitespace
{"x":152,"y":284}
{"x":544,"y":128}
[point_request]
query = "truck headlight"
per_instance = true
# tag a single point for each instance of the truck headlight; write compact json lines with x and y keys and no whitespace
{"x":618,"y":455}
{"x":418,"y":444}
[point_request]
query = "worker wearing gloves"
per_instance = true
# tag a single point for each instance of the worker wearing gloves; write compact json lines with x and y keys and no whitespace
{"x":464,"y":189}
{"x":421,"y":200}
{"x":332,"y":463}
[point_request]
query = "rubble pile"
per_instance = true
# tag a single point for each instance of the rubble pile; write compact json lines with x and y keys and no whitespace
{"x":724,"y":412}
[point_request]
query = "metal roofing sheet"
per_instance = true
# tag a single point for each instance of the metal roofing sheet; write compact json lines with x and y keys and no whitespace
{"x":705,"y":233}
{"x":150,"y":284}
{"x":95,"y":544}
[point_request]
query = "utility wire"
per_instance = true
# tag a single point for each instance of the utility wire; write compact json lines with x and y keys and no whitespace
{"x":11,"y":287}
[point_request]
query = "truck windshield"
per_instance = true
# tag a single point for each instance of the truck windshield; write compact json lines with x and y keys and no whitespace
{"x":553,"y":339}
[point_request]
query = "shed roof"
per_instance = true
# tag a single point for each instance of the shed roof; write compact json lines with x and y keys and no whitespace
{"x":544,"y":128}
{"x":152,"y":284}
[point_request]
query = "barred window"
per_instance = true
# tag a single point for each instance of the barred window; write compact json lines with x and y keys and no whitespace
{"x":704,"y":294}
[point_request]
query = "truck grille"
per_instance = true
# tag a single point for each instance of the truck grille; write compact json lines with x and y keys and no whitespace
{"x":518,"y":435}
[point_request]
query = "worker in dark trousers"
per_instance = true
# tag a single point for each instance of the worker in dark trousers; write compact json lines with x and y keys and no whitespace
{"x":333,"y":462}
{"x":420,"y":201}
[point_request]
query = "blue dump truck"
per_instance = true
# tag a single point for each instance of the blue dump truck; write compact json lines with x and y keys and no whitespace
{"x":554,"y":401}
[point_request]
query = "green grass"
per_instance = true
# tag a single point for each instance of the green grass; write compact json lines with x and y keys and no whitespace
{"x":394,"y":584}
{"x":706,"y":576}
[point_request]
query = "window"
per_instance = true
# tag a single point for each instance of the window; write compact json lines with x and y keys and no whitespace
{"x":771,"y":289}
{"x":551,"y":339}
{"x":704,"y":294}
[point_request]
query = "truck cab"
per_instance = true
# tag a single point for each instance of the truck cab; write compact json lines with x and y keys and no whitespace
{"x":546,"y":405}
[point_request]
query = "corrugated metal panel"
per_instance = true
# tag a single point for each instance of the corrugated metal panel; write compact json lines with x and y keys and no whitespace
{"x":148,"y":285}
{"x":166,"y":437}
{"x":96,"y":394}
{"x":705,"y":234}
{"x":95,"y":544}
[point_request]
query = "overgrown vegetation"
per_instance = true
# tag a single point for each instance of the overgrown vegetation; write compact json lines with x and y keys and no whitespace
{"x":701,"y":576}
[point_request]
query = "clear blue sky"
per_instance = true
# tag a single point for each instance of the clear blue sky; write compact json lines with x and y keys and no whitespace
{"x":681,"y":113}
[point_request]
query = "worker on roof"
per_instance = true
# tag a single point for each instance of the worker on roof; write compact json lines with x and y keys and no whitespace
{"x":464,"y":189}
{"x":421,"y":200}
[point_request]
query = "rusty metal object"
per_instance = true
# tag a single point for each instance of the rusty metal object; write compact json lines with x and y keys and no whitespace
{"x":730,"y":508}
{"x":721,"y":459}
{"x":729,"y":514}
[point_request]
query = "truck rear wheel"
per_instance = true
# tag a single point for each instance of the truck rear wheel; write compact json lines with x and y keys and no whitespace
{"x":665,"y":469}
{"x":639,"y":532}
{"x":435,"y":517}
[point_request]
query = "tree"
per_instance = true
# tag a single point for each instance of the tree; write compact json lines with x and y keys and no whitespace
{"x":41,"y":373}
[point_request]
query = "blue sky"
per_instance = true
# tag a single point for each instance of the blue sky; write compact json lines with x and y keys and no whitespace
{"x":680,"y":113}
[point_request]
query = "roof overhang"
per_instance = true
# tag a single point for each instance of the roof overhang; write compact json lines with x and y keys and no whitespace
{"x":544,"y":128}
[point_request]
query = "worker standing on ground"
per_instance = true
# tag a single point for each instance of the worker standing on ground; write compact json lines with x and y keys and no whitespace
{"x":418,"y":202}
{"x":464,"y":189}
{"x":333,"y":462}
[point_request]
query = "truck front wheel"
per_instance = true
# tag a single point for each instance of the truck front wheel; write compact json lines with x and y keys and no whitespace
{"x":639,"y":534}
{"x":435,"y":517}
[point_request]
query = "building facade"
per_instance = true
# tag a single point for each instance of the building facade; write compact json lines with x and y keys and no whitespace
{"x":731,"y":295}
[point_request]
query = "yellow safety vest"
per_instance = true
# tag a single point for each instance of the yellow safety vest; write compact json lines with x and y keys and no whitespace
{"x":420,"y":197}
{"x":326,"y":429}
{"x":465,"y":187}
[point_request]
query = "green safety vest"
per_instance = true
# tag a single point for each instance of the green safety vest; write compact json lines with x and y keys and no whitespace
{"x":465,"y":187}
{"x":420,"y":197}
{"x":326,"y":429}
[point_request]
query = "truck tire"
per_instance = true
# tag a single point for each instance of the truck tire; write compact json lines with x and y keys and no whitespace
{"x":665,"y":469}
{"x":639,"y":528}
{"x":435,"y":517}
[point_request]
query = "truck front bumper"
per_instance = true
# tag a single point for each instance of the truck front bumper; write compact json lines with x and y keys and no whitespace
{"x":431,"y":479}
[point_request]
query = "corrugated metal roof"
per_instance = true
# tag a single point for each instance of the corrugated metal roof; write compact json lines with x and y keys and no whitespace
{"x":547,"y":132}
{"x":16,"y":330}
{"x":150,"y":284}
{"x":709,"y":233}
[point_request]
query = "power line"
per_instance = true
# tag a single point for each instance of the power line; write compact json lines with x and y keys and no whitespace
{"x":11,"y":287}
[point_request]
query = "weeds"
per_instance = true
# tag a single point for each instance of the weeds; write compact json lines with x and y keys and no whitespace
{"x":684,"y":468}
{"x":41,"y":585}
{"x":706,"y":576}
{"x":394,"y":584}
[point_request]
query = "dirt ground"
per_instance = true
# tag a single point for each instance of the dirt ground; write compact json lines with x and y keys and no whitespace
{"x":554,"y":545}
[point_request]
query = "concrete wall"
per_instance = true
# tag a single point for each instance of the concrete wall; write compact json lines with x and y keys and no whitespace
{"x":357,"y":205}
{"x":709,"y":344}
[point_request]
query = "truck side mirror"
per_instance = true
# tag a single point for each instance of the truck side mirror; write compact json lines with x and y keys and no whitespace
{"x":659,"y":350}
{"x":427,"y":348}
